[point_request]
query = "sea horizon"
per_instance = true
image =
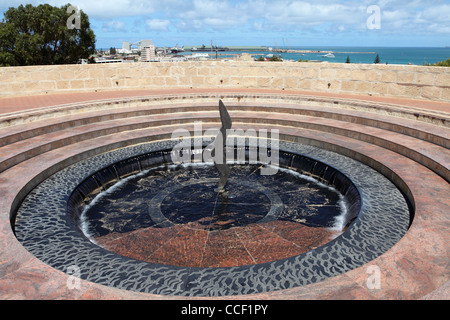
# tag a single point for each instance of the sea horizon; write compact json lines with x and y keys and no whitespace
{"x":366,"y":55}
{"x":356,"y":54}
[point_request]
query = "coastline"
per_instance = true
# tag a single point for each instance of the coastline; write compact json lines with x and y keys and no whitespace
{"x":358,"y":55}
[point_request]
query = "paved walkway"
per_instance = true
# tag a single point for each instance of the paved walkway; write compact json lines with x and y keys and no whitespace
{"x":20,"y":103}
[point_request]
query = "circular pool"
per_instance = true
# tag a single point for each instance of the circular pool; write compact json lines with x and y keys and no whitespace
{"x":132,"y":219}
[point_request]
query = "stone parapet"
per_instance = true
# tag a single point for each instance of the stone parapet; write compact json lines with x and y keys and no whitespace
{"x":417,"y":82}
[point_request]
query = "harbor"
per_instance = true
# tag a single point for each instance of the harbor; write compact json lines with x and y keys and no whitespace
{"x":146,"y":51}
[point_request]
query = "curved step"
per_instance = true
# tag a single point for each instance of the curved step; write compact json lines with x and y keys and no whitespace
{"x":326,"y":108}
{"x":430,"y":155}
{"x":411,"y":173}
{"x":357,"y":149}
{"x":423,"y":131}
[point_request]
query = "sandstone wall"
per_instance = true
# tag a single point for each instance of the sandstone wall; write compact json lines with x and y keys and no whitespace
{"x":418,"y":82}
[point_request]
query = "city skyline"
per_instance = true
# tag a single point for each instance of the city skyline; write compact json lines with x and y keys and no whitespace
{"x":273,"y":23}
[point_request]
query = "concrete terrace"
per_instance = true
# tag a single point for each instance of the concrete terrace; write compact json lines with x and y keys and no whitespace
{"x":403,"y":134}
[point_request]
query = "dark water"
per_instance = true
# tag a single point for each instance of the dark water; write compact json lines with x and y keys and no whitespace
{"x":201,"y":204}
{"x":187,"y":195}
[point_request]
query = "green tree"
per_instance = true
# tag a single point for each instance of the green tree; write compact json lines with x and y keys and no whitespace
{"x":275,"y":58}
{"x":445,"y":63}
{"x":377,"y":59}
{"x":272,"y":58}
{"x":39,"y":35}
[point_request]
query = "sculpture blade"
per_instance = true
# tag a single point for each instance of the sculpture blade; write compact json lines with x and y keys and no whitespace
{"x":224,"y":117}
{"x":222,"y":166}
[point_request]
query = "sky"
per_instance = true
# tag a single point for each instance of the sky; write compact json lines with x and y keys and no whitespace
{"x":273,"y":23}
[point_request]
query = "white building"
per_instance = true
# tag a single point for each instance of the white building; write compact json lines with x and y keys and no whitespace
{"x":148,"y":53}
{"x":144,"y":44}
{"x":128,"y":46}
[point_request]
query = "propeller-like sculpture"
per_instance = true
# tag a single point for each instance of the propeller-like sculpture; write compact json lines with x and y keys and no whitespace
{"x":220,"y":161}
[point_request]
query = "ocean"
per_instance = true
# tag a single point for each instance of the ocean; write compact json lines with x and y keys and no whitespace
{"x":388,"y":55}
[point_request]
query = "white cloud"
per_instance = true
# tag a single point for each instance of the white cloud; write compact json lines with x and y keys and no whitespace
{"x":157,"y":24}
{"x":438,"y":17}
{"x":270,"y":14}
{"x":424,"y":16}
{"x":98,"y":9}
{"x":415,"y":19}
{"x":113,"y":26}
{"x":293,"y":12}
{"x":216,"y":15}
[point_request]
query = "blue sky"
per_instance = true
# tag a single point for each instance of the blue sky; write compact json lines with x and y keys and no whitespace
{"x":414,"y":23}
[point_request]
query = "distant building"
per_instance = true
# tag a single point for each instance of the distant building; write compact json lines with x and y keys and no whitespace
{"x":124,"y":51}
{"x":126,"y":46}
{"x":148,"y":53}
{"x":129,"y":48}
{"x":144,"y":44}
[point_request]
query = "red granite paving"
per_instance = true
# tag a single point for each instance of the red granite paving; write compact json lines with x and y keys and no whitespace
{"x":184,"y":249}
{"x":224,"y":249}
{"x":183,"y":246}
{"x":139,"y":244}
{"x":265,"y":246}
{"x":306,"y":238}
